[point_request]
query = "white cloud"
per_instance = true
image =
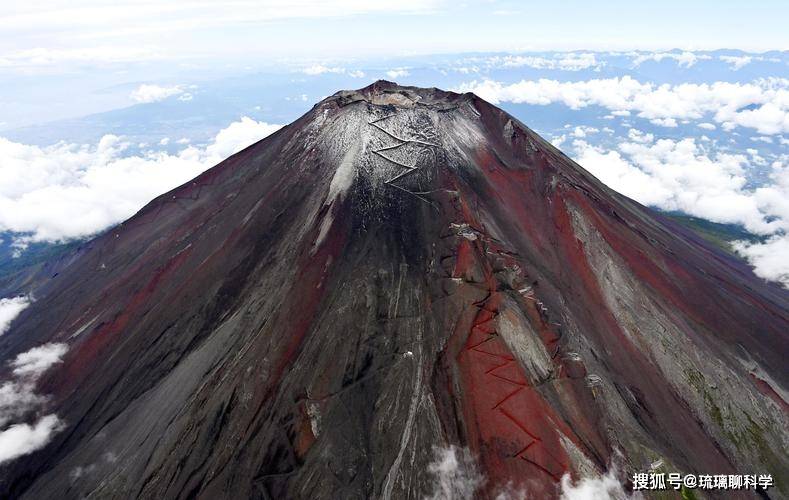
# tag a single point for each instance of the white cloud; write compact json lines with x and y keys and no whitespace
{"x":397,"y":73}
{"x":67,"y":191}
{"x":147,"y":93}
{"x":681,"y":175}
{"x":636,"y":135}
{"x":36,"y":361}
{"x":770,"y":259}
{"x":762,"y":105}
{"x":707,"y":126}
{"x":18,"y":400}
{"x":577,"y":62}
{"x":678,"y":175}
{"x":455,"y":474}
{"x":319,"y":69}
{"x":582,"y":131}
{"x":567,"y":62}
{"x":10,"y":309}
{"x":684,"y":59}
{"x":736,"y":62}
{"x":664,"y":122}
{"x":605,"y":487}
{"x":22,"y":439}
{"x":618,"y":173}
{"x":463,"y":69}
{"x":756,"y":158}
{"x":17,"y":397}
{"x":236,"y":137}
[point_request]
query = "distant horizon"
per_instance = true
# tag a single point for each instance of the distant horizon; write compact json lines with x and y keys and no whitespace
{"x":680,"y":106}
{"x":90,"y":31}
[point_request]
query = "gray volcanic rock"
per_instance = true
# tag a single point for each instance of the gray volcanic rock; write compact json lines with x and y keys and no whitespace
{"x":399,"y":272}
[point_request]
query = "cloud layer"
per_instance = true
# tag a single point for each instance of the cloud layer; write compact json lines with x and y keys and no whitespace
{"x":762,"y":105}
{"x":67,"y":191}
{"x":39,"y":56}
{"x":681,"y":175}
{"x":684,"y":59}
{"x":320,"y":69}
{"x":570,"y":61}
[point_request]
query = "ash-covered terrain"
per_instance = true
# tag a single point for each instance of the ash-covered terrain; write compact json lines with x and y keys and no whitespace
{"x":399,"y":271}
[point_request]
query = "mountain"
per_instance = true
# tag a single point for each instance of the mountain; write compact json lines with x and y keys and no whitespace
{"x":403,"y":285}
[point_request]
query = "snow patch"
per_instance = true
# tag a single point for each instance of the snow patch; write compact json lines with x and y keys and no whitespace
{"x":84,"y":327}
{"x":341,"y":183}
{"x":343,"y":176}
{"x":313,"y":412}
{"x":323,"y":231}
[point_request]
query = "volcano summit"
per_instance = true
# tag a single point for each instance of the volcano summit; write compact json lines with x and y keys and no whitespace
{"x":398,"y":273}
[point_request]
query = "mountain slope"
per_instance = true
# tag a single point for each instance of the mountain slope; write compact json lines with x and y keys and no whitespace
{"x":399,"y":270}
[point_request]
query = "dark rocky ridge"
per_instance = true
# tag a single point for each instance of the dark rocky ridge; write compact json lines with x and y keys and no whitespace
{"x":305,"y":321}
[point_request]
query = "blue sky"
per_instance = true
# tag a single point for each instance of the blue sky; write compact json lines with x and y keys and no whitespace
{"x":88,"y":31}
{"x":53,"y":53}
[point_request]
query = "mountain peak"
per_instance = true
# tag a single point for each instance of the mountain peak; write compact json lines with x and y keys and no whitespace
{"x":400,"y":270}
{"x":384,"y":92}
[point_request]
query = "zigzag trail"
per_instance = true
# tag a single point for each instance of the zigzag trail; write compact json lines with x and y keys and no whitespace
{"x":410,"y":169}
{"x":484,"y":341}
{"x":507,"y":373}
{"x":519,"y":434}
